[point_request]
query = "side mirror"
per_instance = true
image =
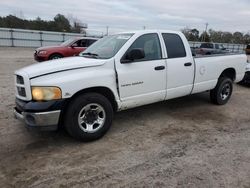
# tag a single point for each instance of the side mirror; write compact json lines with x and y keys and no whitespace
{"x":134,"y":54}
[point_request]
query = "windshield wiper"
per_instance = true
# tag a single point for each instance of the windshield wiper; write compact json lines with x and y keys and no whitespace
{"x":90,"y":54}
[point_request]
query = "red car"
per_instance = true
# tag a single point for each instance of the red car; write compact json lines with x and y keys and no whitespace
{"x":71,"y":47}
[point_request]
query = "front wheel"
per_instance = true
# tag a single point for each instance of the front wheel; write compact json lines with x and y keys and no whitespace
{"x":222,"y":92}
{"x":88,"y":117}
{"x":55,"y":56}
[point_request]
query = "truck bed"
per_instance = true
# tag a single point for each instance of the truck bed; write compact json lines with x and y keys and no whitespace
{"x":209,"y":68}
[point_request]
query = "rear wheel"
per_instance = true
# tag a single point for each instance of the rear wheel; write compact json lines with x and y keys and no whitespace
{"x":88,"y":117}
{"x":222,"y":92}
{"x":55,"y":56}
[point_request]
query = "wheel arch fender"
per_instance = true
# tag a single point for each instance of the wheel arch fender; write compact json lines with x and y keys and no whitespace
{"x":105,"y":91}
{"x":229,"y":73}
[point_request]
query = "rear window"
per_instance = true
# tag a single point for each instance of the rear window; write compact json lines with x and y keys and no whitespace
{"x":206,"y":45}
{"x":174,"y":45}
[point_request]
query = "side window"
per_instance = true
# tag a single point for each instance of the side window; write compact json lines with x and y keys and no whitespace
{"x":222,"y":47}
{"x":90,"y":41}
{"x":150,"y":43}
{"x":174,"y":45}
{"x":207,"y":45}
{"x":83,"y":43}
{"x":217,"y":46}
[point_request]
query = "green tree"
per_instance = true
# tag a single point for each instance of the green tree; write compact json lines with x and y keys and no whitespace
{"x":215,"y":36}
{"x":226,"y":37}
{"x":191,"y":34}
{"x":238,"y":37}
{"x":205,"y":37}
{"x":246,"y":38}
{"x":61,"y":23}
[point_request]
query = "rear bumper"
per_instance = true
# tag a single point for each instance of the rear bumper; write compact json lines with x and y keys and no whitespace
{"x":40,"y":115}
{"x":40,"y":120}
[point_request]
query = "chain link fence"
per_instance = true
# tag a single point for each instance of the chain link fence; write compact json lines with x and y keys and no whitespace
{"x":33,"y":38}
{"x":233,"y":48}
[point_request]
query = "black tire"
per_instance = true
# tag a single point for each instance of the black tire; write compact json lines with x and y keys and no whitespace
{"x":75,"y":129}
{"x":222,"y":92}
{"x":242,"y":82}
{"x":55,"y":56}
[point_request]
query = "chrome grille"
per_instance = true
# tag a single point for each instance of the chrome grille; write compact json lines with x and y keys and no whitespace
{"x":20,"y":87}
{"x":19,"y":79}
{"x":21,"y":91}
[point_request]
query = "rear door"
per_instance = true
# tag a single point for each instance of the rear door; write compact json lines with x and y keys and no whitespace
{"x":143,"y":81}
{"x":180,"y":66}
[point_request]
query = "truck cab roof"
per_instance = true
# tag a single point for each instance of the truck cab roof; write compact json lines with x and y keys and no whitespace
{"x":150,"y":31}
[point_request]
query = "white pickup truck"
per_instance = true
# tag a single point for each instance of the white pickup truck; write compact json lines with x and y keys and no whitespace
{"x":118,"y":72}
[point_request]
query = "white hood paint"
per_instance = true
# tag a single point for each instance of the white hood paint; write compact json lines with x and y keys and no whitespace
{"x":59,"y":65}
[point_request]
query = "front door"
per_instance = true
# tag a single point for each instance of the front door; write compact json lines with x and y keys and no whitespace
{"x":143,"y":81}
{"x":78,"y":47}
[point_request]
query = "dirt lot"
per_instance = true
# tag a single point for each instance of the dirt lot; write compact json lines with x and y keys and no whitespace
{"x":186,"y":142}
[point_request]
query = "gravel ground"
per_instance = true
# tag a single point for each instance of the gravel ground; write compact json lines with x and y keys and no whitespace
{"x":186,"y":142}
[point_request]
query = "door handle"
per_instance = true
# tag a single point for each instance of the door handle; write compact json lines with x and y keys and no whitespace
{"x":187,"y":64}
{"x":159,"y":68}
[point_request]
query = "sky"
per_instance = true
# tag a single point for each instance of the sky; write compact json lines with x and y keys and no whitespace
{"x":123,"y":15}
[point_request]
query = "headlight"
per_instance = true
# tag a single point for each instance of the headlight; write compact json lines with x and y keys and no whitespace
{"x":46,"y":93}
{"x":42,"y":52}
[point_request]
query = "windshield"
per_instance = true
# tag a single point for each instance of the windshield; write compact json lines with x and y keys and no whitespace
{"x":106,"y":47}
{"x":67,"y":42}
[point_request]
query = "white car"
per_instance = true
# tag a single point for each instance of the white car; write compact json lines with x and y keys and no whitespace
{"x":119,"y":72}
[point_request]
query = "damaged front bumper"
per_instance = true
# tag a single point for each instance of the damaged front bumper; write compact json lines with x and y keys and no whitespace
{"x":40,"y":115}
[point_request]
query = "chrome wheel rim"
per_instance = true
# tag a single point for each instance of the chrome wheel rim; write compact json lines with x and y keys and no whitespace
{"x":225,"y":91}
{"x":91,"y":118}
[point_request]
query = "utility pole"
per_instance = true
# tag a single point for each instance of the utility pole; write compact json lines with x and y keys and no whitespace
{"x":205,"y":32}
{"x":206,"y":27}
{"x":107,"y":30}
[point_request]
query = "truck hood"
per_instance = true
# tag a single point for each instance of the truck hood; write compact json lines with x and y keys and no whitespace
{"x":59,"y":65}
